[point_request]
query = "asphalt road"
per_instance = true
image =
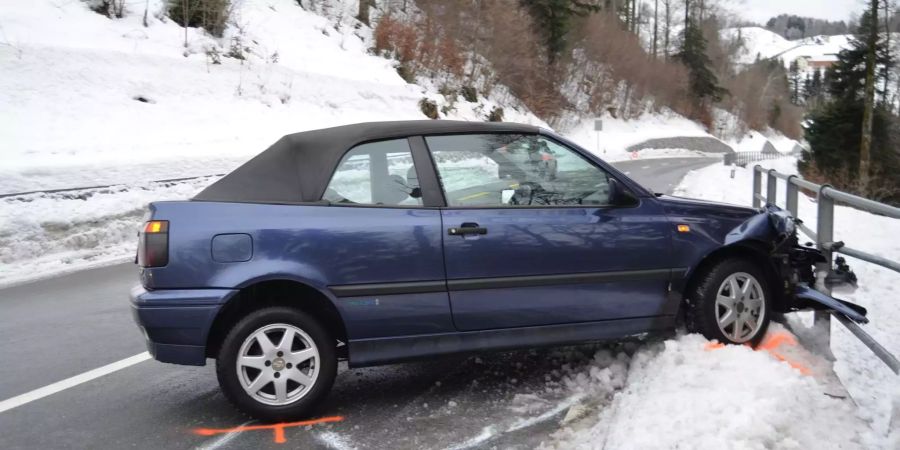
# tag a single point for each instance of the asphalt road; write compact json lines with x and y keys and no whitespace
{"x":662,"y":175}
{"x":58,"y":328}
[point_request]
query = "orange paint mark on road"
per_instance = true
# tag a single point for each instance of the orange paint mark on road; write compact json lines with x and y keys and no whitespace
{"x":770,"y":344}
{"x":277,"y":428}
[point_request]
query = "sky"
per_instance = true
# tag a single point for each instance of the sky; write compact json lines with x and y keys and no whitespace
{"x":762,"y":10}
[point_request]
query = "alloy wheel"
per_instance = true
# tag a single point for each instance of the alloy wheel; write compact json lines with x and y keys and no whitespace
{"x":740,"y":307}
{"x":278,"y":364}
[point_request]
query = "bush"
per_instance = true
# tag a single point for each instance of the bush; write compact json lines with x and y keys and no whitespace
{"x":496,"y":115}
{"x":429,"y":108}
{"x":109,"y":8}
{"x":211,"y":15}
{"x":406,"y":73}
{"x":469,"y":93}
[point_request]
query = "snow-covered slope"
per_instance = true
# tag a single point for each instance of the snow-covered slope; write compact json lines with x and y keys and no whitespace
{"x":764,"y":44}
{"x":70,"y":79}
{"x":758,"y":43}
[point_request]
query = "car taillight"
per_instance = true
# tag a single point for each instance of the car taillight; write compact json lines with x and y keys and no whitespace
{"x":153,"y":244}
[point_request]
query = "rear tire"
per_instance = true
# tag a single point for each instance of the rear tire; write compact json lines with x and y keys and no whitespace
{"x":730,"y":303}
{"x":277,"y":364}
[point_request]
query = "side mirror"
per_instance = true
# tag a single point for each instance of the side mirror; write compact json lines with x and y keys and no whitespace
{"x":619,"y":195}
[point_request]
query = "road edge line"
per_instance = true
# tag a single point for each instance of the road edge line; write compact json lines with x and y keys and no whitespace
{"x":71,"y":382}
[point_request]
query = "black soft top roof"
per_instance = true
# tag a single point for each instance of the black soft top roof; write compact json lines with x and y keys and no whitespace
{"x":298,"y":167}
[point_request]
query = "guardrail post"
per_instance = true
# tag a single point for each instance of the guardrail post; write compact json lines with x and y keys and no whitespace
{"x":757,"y":185}
{"x":771,"y":187}
{"x":791,"y":197}
{"x":825,"y":234}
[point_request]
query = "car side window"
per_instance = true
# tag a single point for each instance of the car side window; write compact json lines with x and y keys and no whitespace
{"x":514,"y":170}
{"x":377,"y":173}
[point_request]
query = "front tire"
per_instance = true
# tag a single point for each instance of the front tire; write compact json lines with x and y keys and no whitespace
{"x":730,"y":303}
{"x":277,"y":364}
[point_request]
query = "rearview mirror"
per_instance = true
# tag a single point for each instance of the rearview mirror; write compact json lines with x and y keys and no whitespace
{"x":619,"y":195}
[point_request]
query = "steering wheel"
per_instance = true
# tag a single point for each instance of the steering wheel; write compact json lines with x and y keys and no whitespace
{"x":524,"y":194}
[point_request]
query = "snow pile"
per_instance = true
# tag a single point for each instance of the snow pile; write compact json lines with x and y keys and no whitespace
{"x":869,"y":381}
{"x":688,"y":393}
{"x":91,"y":101}
{"x":45,"y":234}
{"x":755,"y":141}
{"x":618,"y":134}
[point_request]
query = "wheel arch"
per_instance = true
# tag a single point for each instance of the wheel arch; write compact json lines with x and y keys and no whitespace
{"x":276,"y":292}
{"x":753,"y":250}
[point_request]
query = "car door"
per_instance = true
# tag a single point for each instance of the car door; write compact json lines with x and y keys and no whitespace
{"x":379,"y":244}
{"x":532,"y":237}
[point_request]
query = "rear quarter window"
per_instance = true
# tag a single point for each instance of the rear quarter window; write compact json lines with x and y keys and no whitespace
{"x":376,"y":173}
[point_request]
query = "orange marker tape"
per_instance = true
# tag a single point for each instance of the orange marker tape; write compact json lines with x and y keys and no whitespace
{"x":770,"y":343}
{"x":278,"y":428}
{"x":713,"y":345}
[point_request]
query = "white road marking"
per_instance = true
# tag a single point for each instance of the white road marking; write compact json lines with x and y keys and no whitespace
{"x":224,"y":439}
{"x":645,"y":167}
{"x":60,"y":386}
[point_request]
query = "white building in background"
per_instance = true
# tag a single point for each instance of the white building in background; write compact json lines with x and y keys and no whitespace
{"x":817,"y":62}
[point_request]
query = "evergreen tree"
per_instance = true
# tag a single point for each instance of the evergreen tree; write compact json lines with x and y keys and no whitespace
{"x":704,"y":85}
{"x":815,"y":88}
{"x":835,"y":130}
{"x":554,"y":18}
{"x":848,"y":74}
{"x":794,"y":80}
{"x":807,"y":87}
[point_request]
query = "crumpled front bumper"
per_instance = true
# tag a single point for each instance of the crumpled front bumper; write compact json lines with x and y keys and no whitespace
{"x":819,"y":300}
{"x":176,"y":322}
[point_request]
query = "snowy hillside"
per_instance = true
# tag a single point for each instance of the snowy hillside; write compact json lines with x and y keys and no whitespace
{"x":764,"y":44}
{"x":81,"y":76}
{"x":758,"y":42}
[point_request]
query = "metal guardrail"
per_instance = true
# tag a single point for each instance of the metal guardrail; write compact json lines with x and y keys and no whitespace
{"x":744,"y":158}
{"x":826,"y":197}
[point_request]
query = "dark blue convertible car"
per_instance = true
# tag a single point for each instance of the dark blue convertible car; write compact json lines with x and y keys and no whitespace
{"x":385,"y":242}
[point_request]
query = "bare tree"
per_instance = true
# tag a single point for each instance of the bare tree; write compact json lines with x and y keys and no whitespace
{"x":667,"y":30}
{"x":869,"y":102}
{"x":655,"y":26}
{"x":887,"y":45}
{"x":363,"y":14}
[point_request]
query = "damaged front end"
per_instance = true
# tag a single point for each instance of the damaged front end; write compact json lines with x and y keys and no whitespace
{"x":802,"y":268}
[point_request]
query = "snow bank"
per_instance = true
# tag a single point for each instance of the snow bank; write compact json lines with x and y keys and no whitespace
{"x":869,"y":381}
{"x":685,"y":393}
{"x":47,"y":234}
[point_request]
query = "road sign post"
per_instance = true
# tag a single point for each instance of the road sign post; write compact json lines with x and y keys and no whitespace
{"x":598,"y":127}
